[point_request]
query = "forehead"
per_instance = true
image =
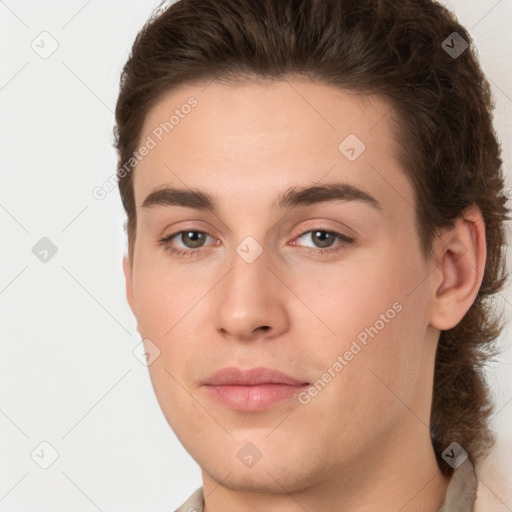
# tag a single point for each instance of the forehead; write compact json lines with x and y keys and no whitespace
{"x":240,"y":137}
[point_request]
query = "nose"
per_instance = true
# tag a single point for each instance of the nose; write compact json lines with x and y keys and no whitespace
{"x":250,"y":302}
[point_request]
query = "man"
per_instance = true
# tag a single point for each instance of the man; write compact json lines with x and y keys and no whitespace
{"x":315,"y":226}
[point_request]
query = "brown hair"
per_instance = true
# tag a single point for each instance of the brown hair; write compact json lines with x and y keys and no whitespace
{"x":442,"y":115}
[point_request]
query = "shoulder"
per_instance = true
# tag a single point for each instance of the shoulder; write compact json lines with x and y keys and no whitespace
{"x":195,"y":502}
{"x":461,"y":491}
{"x":494,"y":483}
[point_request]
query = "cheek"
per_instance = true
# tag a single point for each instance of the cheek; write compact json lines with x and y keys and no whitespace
{"x":352,"y":295}
{"x":164,"y":297}
{"x":390,"y":313}
{"x":163,"y":315}
{"x":166,"y":315}
{"x":376,"y":313}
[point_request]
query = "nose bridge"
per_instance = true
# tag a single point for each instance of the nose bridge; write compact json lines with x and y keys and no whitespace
{"x":249,"y":278}
{"x":249,"y":298}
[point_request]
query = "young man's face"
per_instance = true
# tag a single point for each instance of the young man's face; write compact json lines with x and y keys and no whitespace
{"x":352,"y":317}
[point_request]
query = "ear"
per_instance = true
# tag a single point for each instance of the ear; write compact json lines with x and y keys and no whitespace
{"x":460,"y":255}
{"x":128,"y":275}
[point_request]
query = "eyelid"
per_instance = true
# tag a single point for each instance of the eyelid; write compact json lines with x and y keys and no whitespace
{"x":319,"y":226}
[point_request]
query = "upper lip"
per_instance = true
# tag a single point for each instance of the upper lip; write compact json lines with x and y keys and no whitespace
{"x":233,"y":376}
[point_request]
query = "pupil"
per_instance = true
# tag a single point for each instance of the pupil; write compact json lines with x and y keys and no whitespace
{"x":323,"y":238}
{"x":196,"y":238}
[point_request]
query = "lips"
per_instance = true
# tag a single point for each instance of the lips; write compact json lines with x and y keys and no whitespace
{"x":253,"y":390}
{"x":232,"y":376}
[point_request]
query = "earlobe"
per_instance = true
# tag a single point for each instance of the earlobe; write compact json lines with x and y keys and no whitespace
{"x":460,"y":256}
{"x":128,"y":275}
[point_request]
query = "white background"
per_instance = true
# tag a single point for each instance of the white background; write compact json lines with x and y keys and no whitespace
{"x":68,"y":375}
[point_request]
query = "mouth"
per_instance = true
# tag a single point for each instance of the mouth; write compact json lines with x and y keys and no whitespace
{"x":255,"y":389}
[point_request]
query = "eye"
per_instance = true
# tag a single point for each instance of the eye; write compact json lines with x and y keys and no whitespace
{"x":195,"y":238}
{"x":325,"y":239}
{"x":192,"y":239}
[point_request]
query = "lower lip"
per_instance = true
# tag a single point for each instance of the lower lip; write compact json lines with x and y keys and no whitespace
{"x":253,"y":398}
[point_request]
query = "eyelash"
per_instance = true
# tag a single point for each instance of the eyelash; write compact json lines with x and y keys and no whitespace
{"x":165,"y":242}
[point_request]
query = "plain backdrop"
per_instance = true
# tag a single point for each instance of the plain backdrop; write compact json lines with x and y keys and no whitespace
{"x":68,"y":376}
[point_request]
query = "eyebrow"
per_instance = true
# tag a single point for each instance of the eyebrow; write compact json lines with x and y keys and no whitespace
{"x":291,"y":198}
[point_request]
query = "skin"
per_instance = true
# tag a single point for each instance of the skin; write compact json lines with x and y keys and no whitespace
{"x":362,"y":443}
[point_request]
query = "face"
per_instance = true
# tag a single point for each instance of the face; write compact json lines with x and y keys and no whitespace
{"x":326,"y":285}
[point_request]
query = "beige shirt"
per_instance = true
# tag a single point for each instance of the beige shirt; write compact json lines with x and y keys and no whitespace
{"x":460,"y":494}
